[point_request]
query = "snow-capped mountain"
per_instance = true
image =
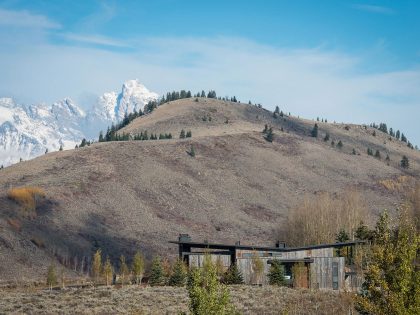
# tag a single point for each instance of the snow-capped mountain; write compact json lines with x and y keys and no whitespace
{"x":28,"y":131}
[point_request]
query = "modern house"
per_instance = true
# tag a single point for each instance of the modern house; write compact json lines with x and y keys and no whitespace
{"x":325,"y":266}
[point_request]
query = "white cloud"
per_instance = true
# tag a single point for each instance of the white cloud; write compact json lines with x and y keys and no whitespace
{"x":373,"y":9}
{"x":25,"y":19}
{"x":310,"y":83}
{"x":94,"y":39}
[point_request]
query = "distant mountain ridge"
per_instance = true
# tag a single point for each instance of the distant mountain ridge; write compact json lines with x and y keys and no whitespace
{"x":28,"y":131}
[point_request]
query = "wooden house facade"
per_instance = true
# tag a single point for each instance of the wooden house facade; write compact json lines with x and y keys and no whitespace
{"x":315,"y":267}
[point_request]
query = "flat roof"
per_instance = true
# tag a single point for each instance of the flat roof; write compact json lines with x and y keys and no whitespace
{"x":262,"y":248}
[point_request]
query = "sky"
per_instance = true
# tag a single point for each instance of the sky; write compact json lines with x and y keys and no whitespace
{"x":347,"y":61}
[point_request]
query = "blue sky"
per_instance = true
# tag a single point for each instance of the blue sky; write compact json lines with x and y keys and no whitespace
{"x":353,"y":61}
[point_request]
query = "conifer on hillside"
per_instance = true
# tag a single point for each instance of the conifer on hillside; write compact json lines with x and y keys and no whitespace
{"x":314,"y":132}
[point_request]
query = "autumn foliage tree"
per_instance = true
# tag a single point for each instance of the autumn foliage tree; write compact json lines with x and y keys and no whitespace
{"x":97,"y":266}
{"x":392,"y":279}
{"x":331,"y":215}
{"x":138,"y":267}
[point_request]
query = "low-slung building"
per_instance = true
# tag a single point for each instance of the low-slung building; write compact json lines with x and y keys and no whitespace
{"x":325,"y":266}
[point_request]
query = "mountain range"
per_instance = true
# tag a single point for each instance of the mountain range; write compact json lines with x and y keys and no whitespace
{"x":27,"y":131}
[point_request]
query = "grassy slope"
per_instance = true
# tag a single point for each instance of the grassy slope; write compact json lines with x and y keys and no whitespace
{"x":122,"y":196}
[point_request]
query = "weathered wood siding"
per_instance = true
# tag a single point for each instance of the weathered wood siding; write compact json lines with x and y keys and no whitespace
{"x":325,"y":273}
{"x":197,"y":260}
{"x":321,"y":273}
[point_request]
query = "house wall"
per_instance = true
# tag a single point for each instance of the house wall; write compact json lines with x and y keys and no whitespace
{"x":320,"y":272}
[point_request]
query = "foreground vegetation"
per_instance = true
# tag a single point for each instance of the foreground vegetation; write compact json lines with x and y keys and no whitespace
{"x":170,"y":300}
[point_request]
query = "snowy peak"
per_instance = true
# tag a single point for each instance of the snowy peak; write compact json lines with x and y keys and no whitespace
{"x":27,"y":131}
{"x":112,"y":106}
{"x":67,"y":107}
{"x":133,"y":97}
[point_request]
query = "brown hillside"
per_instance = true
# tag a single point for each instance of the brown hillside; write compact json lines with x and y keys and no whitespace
{"x":124,"y":196}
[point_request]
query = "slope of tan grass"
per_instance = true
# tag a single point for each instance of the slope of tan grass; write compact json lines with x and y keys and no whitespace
{"x":138,"y":195}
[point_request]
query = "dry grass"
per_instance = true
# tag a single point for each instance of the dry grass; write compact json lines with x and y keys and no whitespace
{"x":170,"y":300}
{"x":398,"y":184}
{"x":27,"y":197}
{"x":16,"y":224}
{"x":137,"y":195}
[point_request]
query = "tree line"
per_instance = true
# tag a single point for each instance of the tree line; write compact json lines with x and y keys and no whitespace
{"x":396,"y":134}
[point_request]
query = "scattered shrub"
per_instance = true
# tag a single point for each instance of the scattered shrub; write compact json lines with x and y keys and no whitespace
{"x":27,"y":197}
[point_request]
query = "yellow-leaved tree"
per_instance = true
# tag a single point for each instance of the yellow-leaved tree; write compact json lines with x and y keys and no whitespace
{"x":392,"y":279}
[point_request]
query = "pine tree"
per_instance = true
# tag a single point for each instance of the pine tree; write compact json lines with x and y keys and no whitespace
{"x":404,"y":162}
{"x":374,"y":133}
{"x":108,"y":270}
{"x":61,"y":147}
{"x":51,"y":277}
{"x":403,"y":138}
{"x":156,"y":275}
{"x":327,"y":137}
{"x":270,"y":135}
{"x":138,"y":267}
{"x":314,"y":132}
{"x":46,"y":150}
{"x":192,"y":151}
{"x":342,"y":236}
{"x":124,"y":271}
{"x":179,"y":274}
{"x":378,"y":154}
{"x":340,"y":144}
{"x":276,"y":274}
{"x":265,"y":129}
{"x":363,"y":232}
{"x":97,"y":265}
{"x":182,"y":134}
{"x":207,"y":295}
{"x":233,"y":275}
{"x":354,"y":151}
{"x":189,"y":134}
{"x":101,"y":137}
{"x":397,"y":135}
